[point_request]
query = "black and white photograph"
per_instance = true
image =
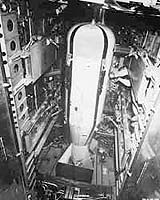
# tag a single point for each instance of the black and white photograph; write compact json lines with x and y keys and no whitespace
{"x":79,"y":99}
